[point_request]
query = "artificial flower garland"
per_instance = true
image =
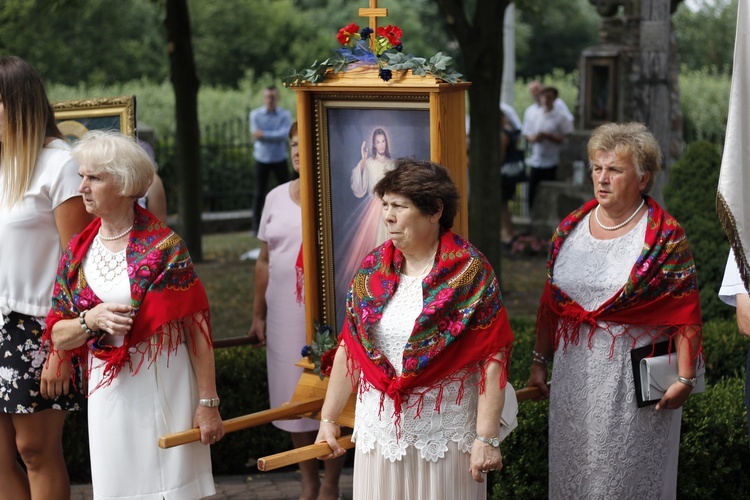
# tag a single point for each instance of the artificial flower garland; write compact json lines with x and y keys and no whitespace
{"x":386,"y":52}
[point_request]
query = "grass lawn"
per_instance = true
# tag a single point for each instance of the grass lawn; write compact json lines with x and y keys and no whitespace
{"x":229,"y":283}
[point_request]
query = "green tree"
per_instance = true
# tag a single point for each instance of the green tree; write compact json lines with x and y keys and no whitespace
{"x":705,"y":36}
{"x":475,"y":26}
{"x":237,"y":37}
{"x":551,"y":35}
{"x":94,"y":42}
{"x":186,"y":83}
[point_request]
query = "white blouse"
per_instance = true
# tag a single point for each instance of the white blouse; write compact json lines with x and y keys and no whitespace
{"x":30,"y":249}
{"x":431,"y":432}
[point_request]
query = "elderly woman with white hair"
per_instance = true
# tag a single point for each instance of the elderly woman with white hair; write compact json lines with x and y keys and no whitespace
{"x":128,"y":301}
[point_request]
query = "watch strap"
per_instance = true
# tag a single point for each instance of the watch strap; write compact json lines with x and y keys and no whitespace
{"x":688,"y":381}
{"x":492,"y":441}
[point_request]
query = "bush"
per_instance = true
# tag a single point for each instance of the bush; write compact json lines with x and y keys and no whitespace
{"x":243,"y":385}
{"x":525,"y":470}
{"x":714,"y":448}
{"x":690,"y":200}
{"x":724,"y":349}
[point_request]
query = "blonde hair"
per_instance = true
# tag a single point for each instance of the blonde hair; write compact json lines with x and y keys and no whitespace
{"x":29,"y":120}
{"x":107,"y":151}
{"x":631,"y":140}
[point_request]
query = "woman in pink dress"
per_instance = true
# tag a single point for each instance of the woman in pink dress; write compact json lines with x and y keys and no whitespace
{"x":279,"y":319}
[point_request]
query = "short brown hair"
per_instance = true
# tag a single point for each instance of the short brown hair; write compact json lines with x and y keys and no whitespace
{"x":428,"y":185}
{"x":632,"y":139}
{"x":552,"y":90}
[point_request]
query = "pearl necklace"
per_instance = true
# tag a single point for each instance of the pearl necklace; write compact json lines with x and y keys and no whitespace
{"x":113,"y":238}
{"x":618,"y":226}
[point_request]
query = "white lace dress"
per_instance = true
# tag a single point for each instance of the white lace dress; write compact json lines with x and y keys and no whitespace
{"x":431,"y":458}
{"x":601,"y":445}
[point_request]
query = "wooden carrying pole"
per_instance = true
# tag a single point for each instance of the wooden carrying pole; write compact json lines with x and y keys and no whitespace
{"x":322,"y":449}
{"x":301,"y":454}
{"x":294,"y":409}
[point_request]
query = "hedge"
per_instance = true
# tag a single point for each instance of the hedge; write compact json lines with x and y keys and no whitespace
{"x":690,"y":197}
{"x":713,"y":452}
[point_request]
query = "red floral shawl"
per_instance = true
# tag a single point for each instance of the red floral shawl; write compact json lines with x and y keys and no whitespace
{"x":164,"y":289}
{"x":660,"y":297}
{"x":463,"y":322}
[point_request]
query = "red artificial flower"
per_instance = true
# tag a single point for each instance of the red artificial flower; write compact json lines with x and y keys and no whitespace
{"x":345,"y":34}
{"x":326,"y":362}
{"x":392,"y":33}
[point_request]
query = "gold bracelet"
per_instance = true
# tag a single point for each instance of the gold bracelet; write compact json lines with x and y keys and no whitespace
{"x":329,"y":421}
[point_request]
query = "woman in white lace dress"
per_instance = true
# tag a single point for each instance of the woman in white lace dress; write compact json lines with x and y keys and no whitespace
{"x":620,"y":276}
{"x":428,"y":341}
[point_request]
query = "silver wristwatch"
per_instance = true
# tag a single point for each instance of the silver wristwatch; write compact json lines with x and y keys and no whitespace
{"x":688,"y":381}
{"x":493,"y":441}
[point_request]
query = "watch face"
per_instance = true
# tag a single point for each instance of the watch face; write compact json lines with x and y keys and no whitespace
{"x":495,"y":442}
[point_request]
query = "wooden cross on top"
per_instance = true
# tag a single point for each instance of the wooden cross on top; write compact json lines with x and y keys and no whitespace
{"x":373,"y":12}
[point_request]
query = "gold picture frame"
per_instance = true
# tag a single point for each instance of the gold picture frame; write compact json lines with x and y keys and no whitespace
{"x":76,"y":117}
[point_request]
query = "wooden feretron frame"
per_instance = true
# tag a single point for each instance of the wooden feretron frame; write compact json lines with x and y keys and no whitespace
{"x":355,"y":89}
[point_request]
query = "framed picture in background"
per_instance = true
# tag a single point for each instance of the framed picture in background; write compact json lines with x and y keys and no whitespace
{"x":75,"y":118}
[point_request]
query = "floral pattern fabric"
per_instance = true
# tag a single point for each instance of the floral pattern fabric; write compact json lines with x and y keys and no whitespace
{"x":462,"y":323}
{"x":22,"y":359}
{"x":660,"y":296}
{"x":165,"y":292}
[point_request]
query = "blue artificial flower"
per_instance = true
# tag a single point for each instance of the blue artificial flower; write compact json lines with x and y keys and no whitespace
{"x":385,"y":74}
{"x":365,"y":33}
{"x":346,"y":52}
{"x":305,"y":351}
{"x":399,"y":47}
{"x":362,"y":52}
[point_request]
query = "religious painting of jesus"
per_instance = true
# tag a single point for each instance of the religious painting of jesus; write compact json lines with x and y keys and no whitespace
{"x":362,"y":139}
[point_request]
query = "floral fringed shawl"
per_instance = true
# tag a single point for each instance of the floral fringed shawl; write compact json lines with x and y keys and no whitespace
{"x":166,"y":294}
{"x":660,"y":298}
{"x":463,"y":324}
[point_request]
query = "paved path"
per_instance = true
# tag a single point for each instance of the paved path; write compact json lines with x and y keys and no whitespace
{"x":260,"y":486}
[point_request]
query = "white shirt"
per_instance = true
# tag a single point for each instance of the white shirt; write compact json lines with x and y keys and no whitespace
{"x":30,"y":249}
{"x":559,"y":105}
{"x":732,"y":284}
{"x":511,"y":115}
{"x":545,"y":153}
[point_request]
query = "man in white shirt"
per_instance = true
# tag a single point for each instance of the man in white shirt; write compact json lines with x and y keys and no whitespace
{"x":545,"y":129}
{"x":535,"y":89}
{"x":734,"y":293}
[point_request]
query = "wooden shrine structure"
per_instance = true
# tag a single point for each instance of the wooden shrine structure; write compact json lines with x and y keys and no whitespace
{"x":435,"y":114}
